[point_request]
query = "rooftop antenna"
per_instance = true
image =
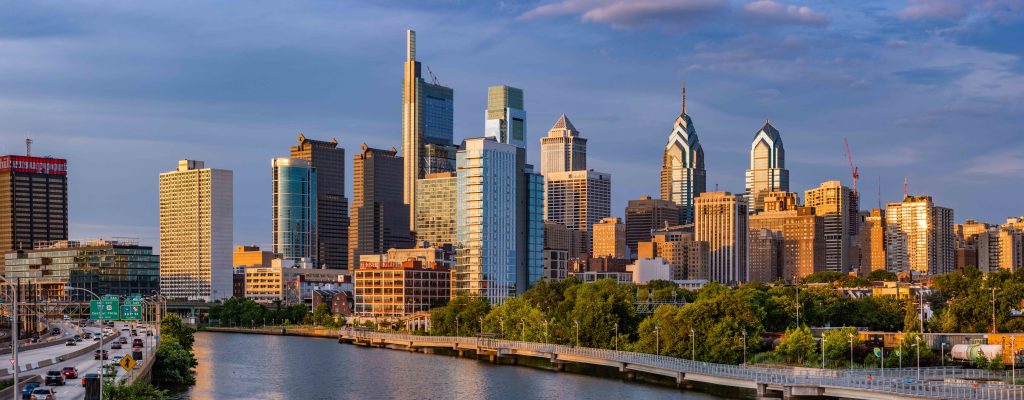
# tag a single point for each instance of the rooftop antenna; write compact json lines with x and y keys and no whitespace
{"x":906,"y":192}
{"x":28,"y":146}
{"x":879,"y":192}
{"x":684,"y":97}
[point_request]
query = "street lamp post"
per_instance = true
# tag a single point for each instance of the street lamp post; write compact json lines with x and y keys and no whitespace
{"x":502,"y":321}
{"x":1013,"y":357}
{"x":481,"y":326}
{"x":545,"y":330}
{"x":14,"y":335}
{"x":943,"y":354}
{"x":851,"y":351}
{"x":456,"y":326}
{"x":657,"y":340}
{"x":524,"y":330}
{"x":901,"y":349}
{"x":577,"y":332}
{"x":616,"y":335}
{"x":883,"y":358}
{"x":693,"y":344}
{"x":744,"y":347}
{"x":100,"y":319}
{"x":822,"y":350}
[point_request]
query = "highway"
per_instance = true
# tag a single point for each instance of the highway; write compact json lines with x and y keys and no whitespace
{"x":85,"y":363}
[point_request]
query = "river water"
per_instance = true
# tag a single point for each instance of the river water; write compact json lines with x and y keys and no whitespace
{"x":241,"y":366}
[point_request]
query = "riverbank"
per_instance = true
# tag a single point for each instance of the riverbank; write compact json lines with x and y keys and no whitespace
{"x":532,"y":363}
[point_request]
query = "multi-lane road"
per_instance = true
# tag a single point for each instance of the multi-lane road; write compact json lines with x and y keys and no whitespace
{"x":85,"y":363}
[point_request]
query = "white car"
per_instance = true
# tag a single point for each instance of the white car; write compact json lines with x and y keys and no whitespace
{"x":116,"y":359}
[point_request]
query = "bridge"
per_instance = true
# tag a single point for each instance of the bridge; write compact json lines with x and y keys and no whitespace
{"x":768,"y":382}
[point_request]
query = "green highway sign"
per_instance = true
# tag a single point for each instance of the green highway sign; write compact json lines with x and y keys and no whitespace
{"x":107,"y":308}
{"x":131,"y":310}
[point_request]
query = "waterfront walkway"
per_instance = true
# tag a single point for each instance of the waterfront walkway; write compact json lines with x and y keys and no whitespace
{"x":874,"y":384}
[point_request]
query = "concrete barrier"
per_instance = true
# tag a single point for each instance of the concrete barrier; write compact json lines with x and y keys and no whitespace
{"x":7,"y":393}
{"x":87,"y":349}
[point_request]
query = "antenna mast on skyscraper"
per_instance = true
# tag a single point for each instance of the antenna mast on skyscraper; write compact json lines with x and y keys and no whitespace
{"x":879,"y":192}
{"x":684,"y":97}
{"x":906,"y":191}
{"x":28,"y":146}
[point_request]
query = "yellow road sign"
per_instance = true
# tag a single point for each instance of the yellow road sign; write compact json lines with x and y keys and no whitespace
{"x":127,"y":363}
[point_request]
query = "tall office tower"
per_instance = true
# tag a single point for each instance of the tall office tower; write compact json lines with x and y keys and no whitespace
{"x":919,"y":236}
{"x":1011,"y":248}
{"x":610,"y":238}
{"x":767,"y":171}
{"x":380,"y":218}
{"x":427,"y":126}
{"x":331,"y":205}
{"x":563,"y":149}
{"x":577,"y":199}
{"x":830,"y":200}
{"x":765,"y":255}
{"x":682,"y":169}
{"x":801,"y":233}
{"x":644,"y":216}
{"x":686,"y":257}
{"x":977,"y":245}
{"x":294,"y":209}
{"x":196,"y":232}
{"x":872,"y":242}
{"x":505,"y":118}
{"x":559,"y":237}
{"x":33,"y":201}
{"x":499,"y":235}
{"x":435,"y":208}
{"x":720,"y":219}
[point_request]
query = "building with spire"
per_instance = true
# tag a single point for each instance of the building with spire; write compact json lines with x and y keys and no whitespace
{"x":427,"y":126}
{"x":767,"y":171}
{"x":563,"y":149}
{"x":682,"y":170}
{"x":505,"y":118}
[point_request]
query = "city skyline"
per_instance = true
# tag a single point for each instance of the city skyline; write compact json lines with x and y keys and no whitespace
{"x":625,"y":115}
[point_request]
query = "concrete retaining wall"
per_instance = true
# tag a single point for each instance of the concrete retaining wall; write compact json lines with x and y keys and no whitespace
{"x":295,"y":331}
{"x":46,"y":363}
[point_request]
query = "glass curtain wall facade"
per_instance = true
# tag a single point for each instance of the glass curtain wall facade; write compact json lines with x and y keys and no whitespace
{"x":116,"y":267}
{"x":682,"y":170}
{"x":294,"y":209}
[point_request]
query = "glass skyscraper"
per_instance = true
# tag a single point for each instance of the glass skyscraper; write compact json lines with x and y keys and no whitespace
{"x":767,"y":171}
{"x":682,"y":171}
{"x":294,"y":209}
{"x":505,"y":116}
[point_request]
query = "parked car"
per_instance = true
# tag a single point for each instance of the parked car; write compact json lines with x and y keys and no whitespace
{"x":70,"y":342}
{"x":54,"y":378}
{"x":69,"y":372}
{"x":26,"y":391}
{"x":43,"y":394}
{"x":97,"y":354}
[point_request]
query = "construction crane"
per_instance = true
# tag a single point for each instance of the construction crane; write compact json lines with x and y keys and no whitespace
{"x":853,"y":168}
{"x":433,"y":78}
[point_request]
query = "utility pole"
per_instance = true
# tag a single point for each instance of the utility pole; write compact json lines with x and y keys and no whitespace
{"x":994,"y":310}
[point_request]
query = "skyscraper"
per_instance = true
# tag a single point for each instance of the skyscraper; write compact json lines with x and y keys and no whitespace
{"x":380,"y":218}
{"x":294,"y":209}
{"x":766,"y":255}
{"x":644,"y":216}
{"x":872,"y":242}
{"x":919,"y":236}
{"x":801,"y":234}
{"x":196,"y":232}
{"x":435,"y":208}
{"x":427,"y":126}
{"x":505,"y":119}
{"x":577,"y":199}
{"x":499,"y":240}
{"x":33,"y":201}
{"x":563,"y":149}
{"x":682,"y":169}
{"x":767,"y":171}
{"x":831,"y":201}
{"x":331,"y":205}
{"x":720,"y":219}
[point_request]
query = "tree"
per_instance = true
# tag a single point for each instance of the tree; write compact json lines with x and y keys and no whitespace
{"x":174,"y":363}
{"x":173,"y":329}
{"x":516,"y":319}
{"x":837,"y":344}
{"x":136,"y":391}
{"x":322,"y":316}
{"x":881,"y":275}
{"x":797,"y":345}
{"x":461,"y":317}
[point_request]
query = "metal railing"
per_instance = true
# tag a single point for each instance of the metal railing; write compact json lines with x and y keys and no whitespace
{"x":946,"y":383}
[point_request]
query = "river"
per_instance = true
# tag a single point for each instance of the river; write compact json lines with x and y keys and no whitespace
{"x":242,"y":366}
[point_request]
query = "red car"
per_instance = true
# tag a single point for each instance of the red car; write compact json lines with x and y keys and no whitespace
{"x":69,"y":372}
{"x":137,"y":343}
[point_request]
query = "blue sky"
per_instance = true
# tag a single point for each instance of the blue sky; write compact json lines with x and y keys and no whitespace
{"x":927,"y":89}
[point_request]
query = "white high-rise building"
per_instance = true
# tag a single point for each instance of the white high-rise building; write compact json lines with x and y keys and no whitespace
{"x":767,"y":171}
{"x":563,"y":149}
{"x":196,"y":232}
{"x":577,"y":199}
{"x":919,"y":236}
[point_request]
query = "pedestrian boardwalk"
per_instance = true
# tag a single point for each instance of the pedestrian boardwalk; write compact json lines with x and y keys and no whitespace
{"x":768,"y":382}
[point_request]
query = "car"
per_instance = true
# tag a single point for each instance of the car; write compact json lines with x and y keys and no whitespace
{"x":97,"y":354}
{"x":89,"y":376}
{"x":69,"y":372}
{"x":26,"y":391}
{"x":122,"y":340}
{"x":137,"y":343}
{"x":78,"y":338}
{"x":96,"y":338}
{"x":116,"y":360}
{"x":43,"y":394}
{"x":55,"y":331}
{"x":116,"y":346}
{"x":54,"y":378}
{"x":87,"y":335}
{"x":70,"y":342}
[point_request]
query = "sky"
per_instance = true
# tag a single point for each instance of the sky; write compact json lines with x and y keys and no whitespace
{"x":930,"y":90}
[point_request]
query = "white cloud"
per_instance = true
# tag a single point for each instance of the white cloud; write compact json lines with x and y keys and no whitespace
{"x":629,"y":13}
{"x":775,"y":12}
